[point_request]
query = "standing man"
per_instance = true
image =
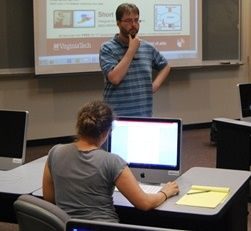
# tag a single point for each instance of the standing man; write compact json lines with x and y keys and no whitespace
{"x":127,"y":63}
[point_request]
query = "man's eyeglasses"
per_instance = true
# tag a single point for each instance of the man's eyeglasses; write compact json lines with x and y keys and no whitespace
{"x":131,"y":20}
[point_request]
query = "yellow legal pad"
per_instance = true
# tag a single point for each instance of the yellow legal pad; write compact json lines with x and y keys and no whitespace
{"x":204,"y":196}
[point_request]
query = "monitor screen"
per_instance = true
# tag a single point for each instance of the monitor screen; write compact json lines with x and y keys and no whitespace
{"x":147,"y":143}
{"x":13,"y":129}
{"x":245,"y":99}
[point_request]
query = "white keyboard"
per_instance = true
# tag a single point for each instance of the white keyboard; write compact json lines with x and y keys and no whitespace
{"x":147,"y":188}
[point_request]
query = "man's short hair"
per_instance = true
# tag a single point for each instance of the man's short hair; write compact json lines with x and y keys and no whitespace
{"x":126,"y":8}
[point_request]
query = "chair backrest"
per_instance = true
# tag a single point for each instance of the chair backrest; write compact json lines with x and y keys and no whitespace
{"x":37,"y":214}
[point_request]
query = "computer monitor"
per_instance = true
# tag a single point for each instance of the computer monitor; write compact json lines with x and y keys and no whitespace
{"x":151,"y":146}
{"x":244,"y":91}
{"x":90,"y":225}
{"x":13,"y":130}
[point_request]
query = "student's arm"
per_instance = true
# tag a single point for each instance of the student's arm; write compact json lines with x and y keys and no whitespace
{"x":129,"y":187}
{"x":160,"y":78}
{"x":48,"y":186}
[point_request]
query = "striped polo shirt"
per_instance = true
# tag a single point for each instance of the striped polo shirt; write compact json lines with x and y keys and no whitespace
{"x":133,"y":96}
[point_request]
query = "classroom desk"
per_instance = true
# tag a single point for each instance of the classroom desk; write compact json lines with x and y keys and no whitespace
{"x":24,"y":179}
{"x":230,"y":215}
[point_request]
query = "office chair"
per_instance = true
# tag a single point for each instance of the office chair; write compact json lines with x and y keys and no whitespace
{"x":37,"y":214}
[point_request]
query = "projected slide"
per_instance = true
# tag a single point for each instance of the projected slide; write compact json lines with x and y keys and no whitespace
{"x":69,"y":33}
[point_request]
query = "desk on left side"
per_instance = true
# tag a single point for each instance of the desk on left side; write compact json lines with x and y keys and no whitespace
{"x":19,"y":181}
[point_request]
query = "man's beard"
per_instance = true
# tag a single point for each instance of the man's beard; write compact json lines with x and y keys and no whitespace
{"x":132,"y":32}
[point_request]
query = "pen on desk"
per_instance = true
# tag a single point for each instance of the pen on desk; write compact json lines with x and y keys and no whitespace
{"x":197,"y":192}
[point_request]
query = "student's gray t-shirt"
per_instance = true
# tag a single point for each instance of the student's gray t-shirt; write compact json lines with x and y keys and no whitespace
{"x":84,"y":181}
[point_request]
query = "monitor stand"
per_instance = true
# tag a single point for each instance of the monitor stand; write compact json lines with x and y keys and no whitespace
{"x":154,"y":176}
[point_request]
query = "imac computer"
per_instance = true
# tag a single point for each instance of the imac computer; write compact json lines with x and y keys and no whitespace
{"x":13,"y":130}
{"x":151,"y":147}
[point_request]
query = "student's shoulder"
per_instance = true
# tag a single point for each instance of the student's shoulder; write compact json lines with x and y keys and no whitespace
{"x":107,"y":155}
{"x":63,"y":147}
{"x":117,"y":158}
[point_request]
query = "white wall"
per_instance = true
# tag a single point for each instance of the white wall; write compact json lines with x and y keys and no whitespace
{"x":195,"y":95}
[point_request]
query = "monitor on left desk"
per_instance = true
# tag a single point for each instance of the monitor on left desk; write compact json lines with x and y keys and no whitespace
{"x":13,"y":138}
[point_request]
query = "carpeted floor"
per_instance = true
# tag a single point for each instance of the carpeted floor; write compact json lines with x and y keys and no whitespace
{"x":196,"y":151}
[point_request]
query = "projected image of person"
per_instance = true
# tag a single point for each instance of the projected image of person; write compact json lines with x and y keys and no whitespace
{"x":127,"y":63}
{"x":80,"y":177}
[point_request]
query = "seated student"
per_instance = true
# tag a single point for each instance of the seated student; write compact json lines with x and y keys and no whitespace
{"x":80,"y":177}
